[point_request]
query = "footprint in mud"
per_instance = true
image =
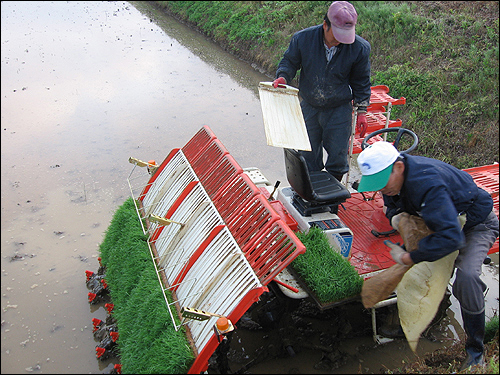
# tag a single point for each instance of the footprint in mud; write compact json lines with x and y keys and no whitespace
{"x":80,"y":199}
{"x":332,"y":361}
{"x":82,"y":258}
{"x":33,"y":368}
{"x":20,"y":257}
{"x":246,"y":322}
{"x":56,"y":328}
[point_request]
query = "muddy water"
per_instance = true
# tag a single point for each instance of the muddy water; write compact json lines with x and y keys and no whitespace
{"x":86,"y":85}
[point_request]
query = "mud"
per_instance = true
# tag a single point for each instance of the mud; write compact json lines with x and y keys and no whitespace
{"x":280,"y":335}
{"x":86,"y":85}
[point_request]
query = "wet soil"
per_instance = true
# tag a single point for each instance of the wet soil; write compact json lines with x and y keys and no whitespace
{"x":298,"y":336}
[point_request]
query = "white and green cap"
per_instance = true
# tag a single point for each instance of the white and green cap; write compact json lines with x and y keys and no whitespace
{"x":375,"y":163}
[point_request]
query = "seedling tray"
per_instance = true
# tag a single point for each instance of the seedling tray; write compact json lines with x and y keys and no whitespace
{"x":322,"y":305}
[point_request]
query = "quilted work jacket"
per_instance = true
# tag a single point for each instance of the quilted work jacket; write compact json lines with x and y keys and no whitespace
{"x":438,"y":192}
{"x":326,"y":84}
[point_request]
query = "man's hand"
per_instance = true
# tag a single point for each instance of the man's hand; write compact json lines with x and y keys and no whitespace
{"x":279,"y":81}
{"x":361,"y":124}
{"x":397,"y":252}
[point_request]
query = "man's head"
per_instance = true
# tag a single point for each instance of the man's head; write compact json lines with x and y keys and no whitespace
{"x":343,"y":17}
{"x":381,"y":169}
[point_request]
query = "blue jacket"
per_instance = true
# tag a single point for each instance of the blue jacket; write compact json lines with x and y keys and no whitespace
{"x":327,"y":84}
{"x":438,"y":192}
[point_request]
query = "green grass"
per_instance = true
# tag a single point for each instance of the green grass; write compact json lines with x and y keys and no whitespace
{"x":327,"y":273}
{"x":491,"y":329}
{"x":442,"y":57}
{"x":148,"y":342}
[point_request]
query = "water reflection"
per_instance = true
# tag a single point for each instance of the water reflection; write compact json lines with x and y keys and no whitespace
{"x":86,"y":85}
{"x":207,"y":51}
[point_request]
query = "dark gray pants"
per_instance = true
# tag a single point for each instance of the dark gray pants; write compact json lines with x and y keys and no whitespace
{"x":329,"y":129}
{"x":468,"y":287}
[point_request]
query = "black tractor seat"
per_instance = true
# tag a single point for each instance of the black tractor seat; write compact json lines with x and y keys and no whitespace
{"x":314,"y":192}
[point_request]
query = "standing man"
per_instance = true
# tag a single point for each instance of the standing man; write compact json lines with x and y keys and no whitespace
{"x":334,"y":71}
{"x":438,"y":193}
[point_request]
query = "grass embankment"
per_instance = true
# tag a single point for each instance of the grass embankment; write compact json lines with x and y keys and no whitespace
{"x":441,"y":56}
{"x":148,"y":342}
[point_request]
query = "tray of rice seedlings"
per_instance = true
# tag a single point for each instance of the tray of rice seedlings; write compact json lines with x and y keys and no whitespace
{"x":325,"y":274}
{"x":148,"y":341}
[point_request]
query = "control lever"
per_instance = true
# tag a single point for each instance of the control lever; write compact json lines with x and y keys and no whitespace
{"x":271,"y":197}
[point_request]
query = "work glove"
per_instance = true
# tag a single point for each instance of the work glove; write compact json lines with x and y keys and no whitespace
{"x":361,"y":124}
{"x":396,"y":219}
{"x":462,"y":219}
{"x":396,"y":252}
{"x":279,"y":81}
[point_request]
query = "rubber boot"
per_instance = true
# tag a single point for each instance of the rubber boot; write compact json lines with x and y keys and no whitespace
{"x":392,"y":331}
{"x":474,"y":329}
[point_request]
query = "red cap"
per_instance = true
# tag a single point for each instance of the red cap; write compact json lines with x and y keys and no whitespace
{"x":343,"y":18}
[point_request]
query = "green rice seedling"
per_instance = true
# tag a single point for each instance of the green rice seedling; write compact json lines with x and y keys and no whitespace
{"x":327,"y":273}
{"x":148,"y":342}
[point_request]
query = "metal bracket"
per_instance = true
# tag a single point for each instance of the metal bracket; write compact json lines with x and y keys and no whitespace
{"x":152,"y":167}
{"x":222,"y":327}
{"x":376,"y":337}
{"x":196,"y":314}
{"x":163,"y":220}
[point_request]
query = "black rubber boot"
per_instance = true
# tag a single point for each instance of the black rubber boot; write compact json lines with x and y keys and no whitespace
{"x":474,"y":329}
{"x":392,"y":331}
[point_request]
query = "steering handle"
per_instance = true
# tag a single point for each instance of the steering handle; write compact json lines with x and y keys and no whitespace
{"x":400,"y":131}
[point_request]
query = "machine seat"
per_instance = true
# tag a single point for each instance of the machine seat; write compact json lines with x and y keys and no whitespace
{"x":314,"y":191}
